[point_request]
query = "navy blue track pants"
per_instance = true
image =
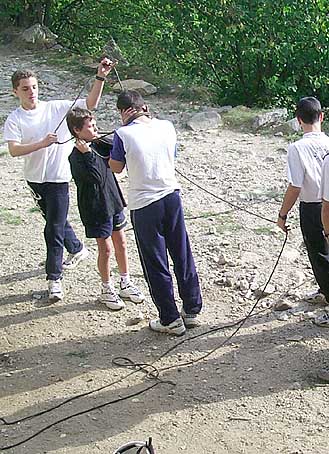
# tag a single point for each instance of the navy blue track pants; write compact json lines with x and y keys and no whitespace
{"x":160,"y":227}
{"x":53,"y":201}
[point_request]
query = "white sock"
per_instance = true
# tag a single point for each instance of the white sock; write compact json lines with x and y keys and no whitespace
{"x":125,"y":279}
{"x":107,"y":284}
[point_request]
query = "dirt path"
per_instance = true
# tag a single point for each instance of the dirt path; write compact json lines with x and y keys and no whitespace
{"x":257,"y":394}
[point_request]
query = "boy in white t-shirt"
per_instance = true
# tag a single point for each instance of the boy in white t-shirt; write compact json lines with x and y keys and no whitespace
{"x":37,"y":131}
{"x":147,"y":148}
{"x":305,"y":159}
{"x":323,"y":320}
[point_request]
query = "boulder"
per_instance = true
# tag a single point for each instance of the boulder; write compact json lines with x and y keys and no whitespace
{"x":36,"y":37}
{"x":113,"y":52}
{"x":269,"y":118}
{"x":203,"y":121}
{"x":144,"y":88}
{"x":288,"y":127}
{"x":224,"y":109}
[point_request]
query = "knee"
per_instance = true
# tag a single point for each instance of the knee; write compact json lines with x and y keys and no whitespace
{"x":120,"y":242}
{"x":54,"y":232}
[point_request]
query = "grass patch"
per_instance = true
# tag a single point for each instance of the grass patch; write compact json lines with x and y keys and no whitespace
{"x":240,"y":117}
{"x":3,"y":151}
{"x":227,"y":224}
{"x":260,"y":195}
{"x":264,"y":231}
{"x":78,"y":354}
{"x":34,"y":210}
{"x":8,"y":217}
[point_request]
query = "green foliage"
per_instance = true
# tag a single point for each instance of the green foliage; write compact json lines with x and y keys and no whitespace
{"x":9,"y":217}
{"x":251,"y":52}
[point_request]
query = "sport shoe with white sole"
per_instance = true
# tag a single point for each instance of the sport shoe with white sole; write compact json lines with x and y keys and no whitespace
{"x":322,"y":320}
{"x":111,"y":299}
{"x":177,"y":327}
{"x":315,"y":297}
{"x":55,"y":291}
{"x":74,"y":259}
{"x":132,"y":293}
{"x":190,"y":320}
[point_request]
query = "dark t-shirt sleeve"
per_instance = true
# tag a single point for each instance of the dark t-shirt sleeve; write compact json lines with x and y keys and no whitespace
{"x":118,"y":152}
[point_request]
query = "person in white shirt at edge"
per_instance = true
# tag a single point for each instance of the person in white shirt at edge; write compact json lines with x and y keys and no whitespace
{"x":305,"y":160}
{"x":30,"y":131}
{"x":147,"y":147}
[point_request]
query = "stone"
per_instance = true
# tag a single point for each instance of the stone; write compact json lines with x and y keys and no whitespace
{"x":288,"y":127}
{"x":113,"y":52}
{"x":212,"y":230}
{"x":221,"y":259}
{"x":204,"y":121}
{"x":282,"y":306}
{"x":224,"y":109}
{"x":294,"y":338}
{"x":143,"y":87}
{"x":250,"y":258}
{"x":260,"y":293}
{"x":323,"y":375}
{"x":133,"y":321}
{"x":269,"y":118}
{"x":36,"y":36}
{"x":290,"y":254}
{"x":243,"y":284}
{"x":309,"y":315}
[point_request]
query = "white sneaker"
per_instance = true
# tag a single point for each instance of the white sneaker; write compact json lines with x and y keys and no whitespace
{"x":111,"y":299}
{"x":190,"y":320}
{"x":177,"y":327}
{"x":74,"y":259}
{"x":315,"y":297}
{"x":55,"y":291}
{"x":130,"y":292}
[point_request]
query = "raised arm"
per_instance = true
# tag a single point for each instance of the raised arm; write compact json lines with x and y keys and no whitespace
{"x":103,"y":70}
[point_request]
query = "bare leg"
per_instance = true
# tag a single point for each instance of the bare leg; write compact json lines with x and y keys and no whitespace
{"x":120,"y":251}
{"x":103,"y":260}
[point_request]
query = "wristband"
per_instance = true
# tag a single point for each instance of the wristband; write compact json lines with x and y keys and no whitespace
{"x":100,"y":78}
{"x":284,"y":218}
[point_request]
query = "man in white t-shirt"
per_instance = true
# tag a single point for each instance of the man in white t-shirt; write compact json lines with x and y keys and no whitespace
{"x":323,"y":320}
{"x":37,"y":131}
{"x":147,"y":148}
{"x":305,"y":160}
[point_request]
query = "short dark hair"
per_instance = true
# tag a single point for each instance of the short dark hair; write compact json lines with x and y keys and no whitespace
{"x":130,"y":98}
{"x":21,"y":74}
{"x":308,"y":110}
{"x":76,"y":118}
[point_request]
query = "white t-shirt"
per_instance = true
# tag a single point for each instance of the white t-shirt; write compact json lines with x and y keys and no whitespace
{"x":324,"y":187}
{"x":148,"y":149}
{"x":28,"y":126}
{"x":305,"y":160}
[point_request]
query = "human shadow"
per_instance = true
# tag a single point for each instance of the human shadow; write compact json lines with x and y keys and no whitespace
{"x":255,"y":364}
{"x":15,"y":299}
{"x":21,"y":276}
{"x":44,"y":309}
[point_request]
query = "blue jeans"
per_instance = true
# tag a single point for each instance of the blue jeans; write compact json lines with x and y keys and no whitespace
{"x":53,"y":200}
{"x":160,"y":228}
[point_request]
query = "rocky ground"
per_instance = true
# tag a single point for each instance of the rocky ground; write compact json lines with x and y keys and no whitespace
{"x":256,"y":394}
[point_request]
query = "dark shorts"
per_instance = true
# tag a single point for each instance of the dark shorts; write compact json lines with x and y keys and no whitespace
{"x":117,"y":222}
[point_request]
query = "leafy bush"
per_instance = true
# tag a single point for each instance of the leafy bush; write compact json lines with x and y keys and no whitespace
{"x":252,"y":52}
